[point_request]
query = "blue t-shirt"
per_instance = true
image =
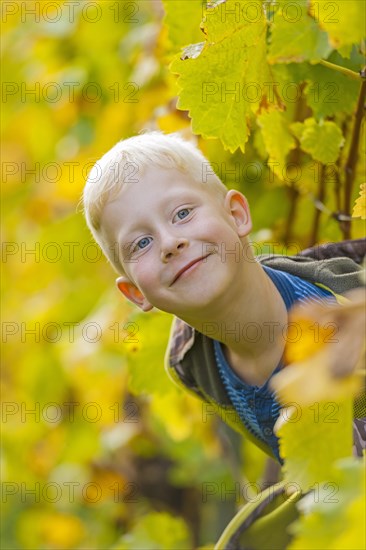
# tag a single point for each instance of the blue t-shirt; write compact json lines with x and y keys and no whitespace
{"x":256,"y":405}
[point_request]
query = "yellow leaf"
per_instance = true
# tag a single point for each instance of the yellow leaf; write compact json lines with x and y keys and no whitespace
{"x":62,"y":530}
{"x":297,"y":383}
{"x":355,"y":514}
{"x":359,"y":209}
{"x":329,"y":351}
{"x":312,"y":438}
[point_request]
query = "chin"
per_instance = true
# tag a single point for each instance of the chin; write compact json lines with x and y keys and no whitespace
{"x":199,"y":298}
{"x":196,"y":306}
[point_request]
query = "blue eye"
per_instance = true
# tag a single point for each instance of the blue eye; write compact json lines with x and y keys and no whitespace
{"x":143,"y":242}
{"x":184,"y":210}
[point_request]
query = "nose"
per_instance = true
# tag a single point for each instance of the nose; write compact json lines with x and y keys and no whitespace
{"x":172,"y":247}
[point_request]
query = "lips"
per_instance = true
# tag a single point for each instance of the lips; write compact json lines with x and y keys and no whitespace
{"x":193,"y":262}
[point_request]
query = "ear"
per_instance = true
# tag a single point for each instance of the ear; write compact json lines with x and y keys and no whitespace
{"x":133,"y":294}
{"x":237,"y":205}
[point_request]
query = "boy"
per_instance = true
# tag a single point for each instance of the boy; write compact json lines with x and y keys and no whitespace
{"x":179,"y":241}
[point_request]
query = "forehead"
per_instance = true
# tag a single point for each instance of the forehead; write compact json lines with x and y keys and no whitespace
{"x":158,"y":186}
{"x":165,"y":179}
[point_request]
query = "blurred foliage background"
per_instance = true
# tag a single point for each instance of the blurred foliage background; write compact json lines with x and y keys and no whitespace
{"x":100,"y":450}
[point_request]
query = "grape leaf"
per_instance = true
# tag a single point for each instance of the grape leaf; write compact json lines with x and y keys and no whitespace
{"x":312,"y":438}
{"x":315,"y":425}
{"x":297,"y":39}
{"x":334,"y":514}
{"x":359,"y":209}
{"x":328,"y":92}
{"x":344,"y":20}
{"x":146,"y":355}
{"x":277,"y":138}
{"x":224,"y":17}
{"x":297,"y":129}
{"x":330,"y":350}
{"x":226,"y":82}
{"x":156,"y":531}
{"x":183,"y":22}
{"x":322,"y":140}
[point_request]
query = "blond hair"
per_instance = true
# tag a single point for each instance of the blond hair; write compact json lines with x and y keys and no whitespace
{"x":119,"y":166}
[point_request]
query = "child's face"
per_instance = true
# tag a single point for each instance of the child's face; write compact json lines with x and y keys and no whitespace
{"x":163,"y":223}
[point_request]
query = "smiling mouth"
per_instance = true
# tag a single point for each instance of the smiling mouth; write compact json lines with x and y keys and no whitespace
{"x":188,"y":267}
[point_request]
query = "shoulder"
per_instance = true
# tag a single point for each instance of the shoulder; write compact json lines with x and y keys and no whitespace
{"x":354,"y":249}
{"x":181,"y":339}
{"x":334,"y":265}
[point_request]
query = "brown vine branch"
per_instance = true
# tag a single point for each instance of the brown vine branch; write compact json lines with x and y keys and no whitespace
{"x":350,"y":167}
{"x":294,"y":197}
{"x":337,"y":181}
{"x":301,"y":113}
{"x":320,"y":197}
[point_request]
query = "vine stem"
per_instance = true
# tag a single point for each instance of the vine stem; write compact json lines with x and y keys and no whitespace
{"x":344,"y":70}
{"x":321,"y":198}
{"x":291,"y":217}
{"x":352,"y":159}
{"x":337,"y":182}
{"x":301,"y":113}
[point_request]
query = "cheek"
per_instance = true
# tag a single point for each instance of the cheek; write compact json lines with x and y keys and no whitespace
{"x":219,"y":232}
{"x":229,"y":244}
{"x":208,"y":226}
{"x":144,"y":275}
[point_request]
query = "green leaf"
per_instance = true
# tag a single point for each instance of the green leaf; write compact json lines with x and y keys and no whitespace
{"x":277,"y":138}
{"x":183,"y":20}
{"x":297,"y":38}
{"x":359,"y":209}
{"x":329,"y":92}
{"x":344,"y":20}
{"x":312,"y":438}
{"x":290,"y":72}
{"x":226,"y":82}
{"x":146,"y":355}
{"x":335,"y":511}
{"x":297,"y":129}
{"x":223,"y":17}
{"x":322,"y":140}
{"x":156,"y":531}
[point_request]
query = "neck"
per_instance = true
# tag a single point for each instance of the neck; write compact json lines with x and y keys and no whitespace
{"x":250,"y":322}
